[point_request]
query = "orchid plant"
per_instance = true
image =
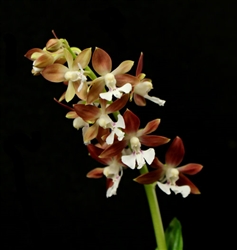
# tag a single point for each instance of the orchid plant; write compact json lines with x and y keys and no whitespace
{"x":112,"y":138}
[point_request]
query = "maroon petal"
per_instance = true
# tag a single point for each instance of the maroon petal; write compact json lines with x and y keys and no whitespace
{"x":150,"y":177}
{"x":102,"y":134}
{"x":175,"y":153}
{"x":117,"y":105}
{"x":109,"y":183}
{"x":157,"y":164}
{"x":150,"y":127}
{"x":191,"y":168}
{"x":132,"y":122}
{"x":114,"y":149}
{"x":139,"y":100}
{"x":88,"y":113}
{"x":125,"y":78}
{"x":183,"y":180}
{"x":103,"y":104}
{"x":95,"y":173}
{"x":153,"y":140}
{"x":139,"y":65}
{"x":94,"y":152}
{"x":101,"y":62}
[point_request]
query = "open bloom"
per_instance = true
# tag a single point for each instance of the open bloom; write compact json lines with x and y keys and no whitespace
{"x":113,"y":171}
{"x":170,"y":177}
{"x":116,"y":130}
{"x":141,"y":86}
{"x":110,"y":82}
{"x":74,"y":74}
{"x":138,"y":156}
{"x":102,"y":64}
{"x":100,"y":119}
{"x":131,"y":130}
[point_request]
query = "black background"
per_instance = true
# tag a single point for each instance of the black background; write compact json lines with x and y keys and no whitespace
{"x":190,"y":54}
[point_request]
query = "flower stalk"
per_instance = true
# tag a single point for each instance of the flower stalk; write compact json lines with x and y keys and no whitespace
{"x":155,"y":212}
{"x":112,"y":139}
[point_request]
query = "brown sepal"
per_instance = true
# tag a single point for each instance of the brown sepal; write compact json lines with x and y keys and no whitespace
{"x":101,"y":62}
{"x":190,"y":169}
{"x":132,"y":122}
{"x":153,"y":140}
{"x":88,"y":113}
{"x":114,"y":149}
{"x":183,"y":180}
{"x":95,"y":173}
{"x":175,"y":153}
{"x":117,"y":104}
{"x":150,"y":177}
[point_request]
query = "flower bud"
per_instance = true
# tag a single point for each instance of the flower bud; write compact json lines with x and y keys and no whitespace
{"x":54,"y":45}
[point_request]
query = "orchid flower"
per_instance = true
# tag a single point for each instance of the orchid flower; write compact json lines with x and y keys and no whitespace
{"x":99,"y":117}
{"x":74,"y":74}
{"x":102,"y":64}
{"x":141,"y":85}
{"x":166,"y":175}
{"x":131,"y":130}
{"x":113,"y":171}
{"x":138,"y":156}
{"x":113,"y":90}
{"x":115,"y":130}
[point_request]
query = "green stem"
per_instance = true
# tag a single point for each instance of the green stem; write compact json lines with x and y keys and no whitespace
{"x":155,"y":212}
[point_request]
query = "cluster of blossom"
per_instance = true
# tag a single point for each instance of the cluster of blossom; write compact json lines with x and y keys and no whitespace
{"x":118,"y":138}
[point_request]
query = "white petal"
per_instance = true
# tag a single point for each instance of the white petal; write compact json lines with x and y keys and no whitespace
{"x":116,"y":93}
{"x":184,"y":190}
{"x":116,"y":180}
{"x":164,"y":187}
{"x":149,"y":155}
{"x":126,"y":88}
{"x":119,"y":133}
{"x":120,"y":123}
{"x":155,"y":100}
{"x":107,"y":95}
{"x":113,"y":190}
{"x":110,"y":138}
{"x":78,"y":123}
{"x":140,"y":160}
{"x":36,"y":69}
{"x":129,"y":160}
